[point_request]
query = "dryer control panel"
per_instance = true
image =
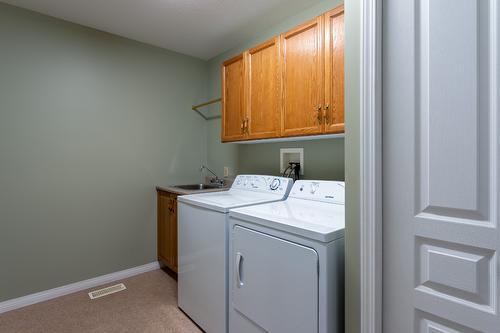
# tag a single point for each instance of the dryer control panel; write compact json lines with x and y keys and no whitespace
{"x":319,"y":190}
{"x":261,"y":183}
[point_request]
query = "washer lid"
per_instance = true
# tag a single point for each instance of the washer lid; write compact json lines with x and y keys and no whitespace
{"x":245,"y":190}
{"x":316,"y":220}
{"x":223,"y":201}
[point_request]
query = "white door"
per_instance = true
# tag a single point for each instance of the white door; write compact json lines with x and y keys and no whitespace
{"x":274,"y":284}
{"x":441,"y":166}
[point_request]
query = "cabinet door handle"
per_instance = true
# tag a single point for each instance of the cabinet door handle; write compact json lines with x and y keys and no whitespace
{"x":325,"y":114}
{"x":243,"y":126}
{"x":246,"y":124}
{"x":318,"y":116}
{"x":239,"y":259}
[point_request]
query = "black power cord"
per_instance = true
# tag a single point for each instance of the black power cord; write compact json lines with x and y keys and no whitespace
{"x":296,"y":169}
{"x":292,"y":171}
{"x":287,"y":171}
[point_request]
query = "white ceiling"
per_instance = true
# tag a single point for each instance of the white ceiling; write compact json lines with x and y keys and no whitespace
{"x":200,"y":28}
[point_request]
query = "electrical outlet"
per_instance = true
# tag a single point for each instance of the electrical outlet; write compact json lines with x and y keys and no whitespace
{"x":226,"y":171}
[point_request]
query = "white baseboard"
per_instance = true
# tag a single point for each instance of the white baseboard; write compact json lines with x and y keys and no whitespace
{"x":23,"y":301}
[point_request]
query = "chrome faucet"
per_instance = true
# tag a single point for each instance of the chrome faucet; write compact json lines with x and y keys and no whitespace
{"x":216,"y":180}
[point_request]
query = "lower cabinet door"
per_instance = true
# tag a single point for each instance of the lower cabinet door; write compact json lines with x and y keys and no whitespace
{"x":274,"y":284}
{"x":164,"y":204}
{"x":167,"y":229}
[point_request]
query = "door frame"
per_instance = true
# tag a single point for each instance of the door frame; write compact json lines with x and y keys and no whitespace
{"x":371,"y":167}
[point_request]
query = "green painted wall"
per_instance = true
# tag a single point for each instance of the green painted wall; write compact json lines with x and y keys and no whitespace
{"x":323,"y":159}
{"x":353,"y":19}
{"x":248,"y":159}
{"x":89,"y":124}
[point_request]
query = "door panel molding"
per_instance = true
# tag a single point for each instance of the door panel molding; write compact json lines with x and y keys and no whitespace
{"x":457,"y":272}
{"x":427,"y":323}
{"x":469,"y":234}
{"x":456,"y":179}
{"x":441,"y":166}
{"x":453,"y":142}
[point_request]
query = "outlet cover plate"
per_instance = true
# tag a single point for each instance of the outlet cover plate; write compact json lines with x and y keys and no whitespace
{"x":291,"y":155}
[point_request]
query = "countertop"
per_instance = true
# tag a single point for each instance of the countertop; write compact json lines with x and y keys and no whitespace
{"x":180,"y":191}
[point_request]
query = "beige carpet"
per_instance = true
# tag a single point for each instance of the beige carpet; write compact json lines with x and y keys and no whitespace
{"x":148,"y":305}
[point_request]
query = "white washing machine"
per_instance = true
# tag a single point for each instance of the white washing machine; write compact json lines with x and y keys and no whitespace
{"x":287,"y":262}
{"x":203,"y":231}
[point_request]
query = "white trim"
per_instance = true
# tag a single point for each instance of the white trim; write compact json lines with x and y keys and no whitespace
{"x":284,"y":162}
{"x":46,"y":295}
{"x":371,"y":168}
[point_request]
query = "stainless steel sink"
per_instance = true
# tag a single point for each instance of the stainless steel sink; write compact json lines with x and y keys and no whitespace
{"x":198,"y":186}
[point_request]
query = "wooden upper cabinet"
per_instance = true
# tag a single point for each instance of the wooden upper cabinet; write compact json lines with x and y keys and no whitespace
{"x":263,"y":95}
{"x":291,"y":85}
{"x":334,"y":71}
{"x":302,"y":70}
{"x":233,"y":99}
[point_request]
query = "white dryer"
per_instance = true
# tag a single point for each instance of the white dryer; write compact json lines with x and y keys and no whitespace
{"x":287,"y":262}
{"x":203,"y":231}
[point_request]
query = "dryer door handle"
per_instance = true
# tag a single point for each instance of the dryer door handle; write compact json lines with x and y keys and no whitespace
{"x":239,"y":259}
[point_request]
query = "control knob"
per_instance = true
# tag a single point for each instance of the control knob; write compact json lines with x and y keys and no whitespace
{"x":314,"y":187}
{"x":275,"y":184}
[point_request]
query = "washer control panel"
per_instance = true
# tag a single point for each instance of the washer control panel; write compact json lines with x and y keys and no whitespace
{"x":260,"y":183}
{"x":319,"y":190}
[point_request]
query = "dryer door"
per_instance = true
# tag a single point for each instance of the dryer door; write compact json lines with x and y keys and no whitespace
{"x":274,"y":283}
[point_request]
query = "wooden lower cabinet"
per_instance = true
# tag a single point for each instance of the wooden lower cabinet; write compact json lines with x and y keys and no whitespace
{"x":167,"y":229}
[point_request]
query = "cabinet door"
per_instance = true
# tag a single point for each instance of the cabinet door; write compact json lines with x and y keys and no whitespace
{"x":263,"y":90}
{"x":233,"y":108}
{"x":164,"y":204}
{"x":173,"y":233}
{"x":302,"y":70}
{"x":334,"y":71}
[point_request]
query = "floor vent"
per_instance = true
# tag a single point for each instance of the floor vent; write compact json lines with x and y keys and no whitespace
{"x":107,"y":291}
